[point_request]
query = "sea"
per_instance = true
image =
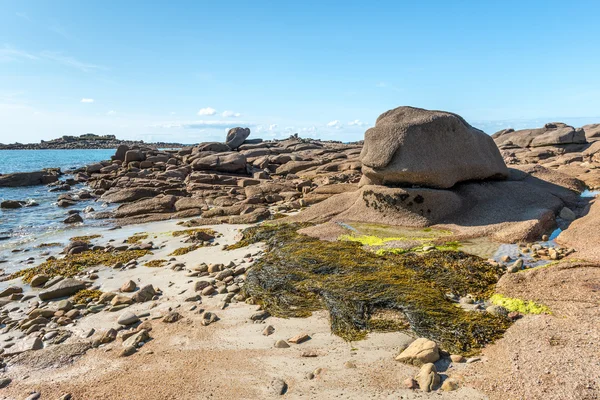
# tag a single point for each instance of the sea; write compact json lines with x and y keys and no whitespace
{"x":22,"y":230}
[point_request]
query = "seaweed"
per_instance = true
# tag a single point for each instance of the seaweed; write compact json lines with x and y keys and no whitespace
{"x":184,"y":250}
{"x":137,"y":238}
{"x":52,"y":244}
{"x":84,"y":238}
{"x":155,"y":263}
{"x":361,"y":290}
{"x":86,"y":296}
{"x":189,"y":232}
{"x":72,"y":264}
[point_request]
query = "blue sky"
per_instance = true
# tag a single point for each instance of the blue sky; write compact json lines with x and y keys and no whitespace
{"x":186,"y":71}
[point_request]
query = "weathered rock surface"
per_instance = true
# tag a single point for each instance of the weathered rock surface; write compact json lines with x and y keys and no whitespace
{"x":412,"y":146}
{"x":65,"y":287}
{"x":236,"y":136}
{"x":29,"y":178}
{"x":419,"y":352}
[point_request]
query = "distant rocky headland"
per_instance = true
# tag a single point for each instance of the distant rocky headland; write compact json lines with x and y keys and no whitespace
{"x":87,"y":141}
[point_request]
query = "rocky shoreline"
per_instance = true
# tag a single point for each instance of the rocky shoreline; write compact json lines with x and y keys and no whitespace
{"x":88,"y":141}
{"x":257,"y":250}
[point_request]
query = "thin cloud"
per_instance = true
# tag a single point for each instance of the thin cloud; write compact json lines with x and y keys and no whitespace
{"x":229,"y":114}
{"x":334,"y":124}
{"x":203,"y":124}
{"x":9,"y":53}
{"x":273,"y":127}
{"x":70,"y":61}
{"x":111,"y":112}
{"x":207,"y":111}
{"x":356,"y":122}
{"x":24,"y":16}
{"x":87,"y":100}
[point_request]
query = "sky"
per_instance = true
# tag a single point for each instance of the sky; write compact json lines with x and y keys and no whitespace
{"x":186,"y":71}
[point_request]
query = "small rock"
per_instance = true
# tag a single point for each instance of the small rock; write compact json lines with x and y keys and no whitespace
{"x":567,"y":214}
{"x":208,"y":318}
{"x":260,"y":316}
{"x":171,"y":317}
{"x":428,"y":378}
{"x":302,"y":337}
{"x":127,"y":351}
{"x":127,"y":318}
{"x":269,"y":330}
{"x":497,"y":310}
{"x":278,"y":386}
{"x":457,"y":358}
{"x":410,"y":383}
{"x":39,"y":280}
{"x":281,"y":344}
{"x":4,"y":382}
{"x":449,"y":385}
{"x":128,"y":286}
{"x":421,"y":351}
{"x":349,"y":364}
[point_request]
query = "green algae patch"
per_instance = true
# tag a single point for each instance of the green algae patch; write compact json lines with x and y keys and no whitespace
{"x":522,"y":306}
{"x":184,"y":250}
{"x":155,"y":263}
{"x":366,"y":292}
{"x":367,"y":240}
{"x":84,"y":238}
{"x":72,"y":264}
{"x":86,"y":296}
{"x":137,"y":238}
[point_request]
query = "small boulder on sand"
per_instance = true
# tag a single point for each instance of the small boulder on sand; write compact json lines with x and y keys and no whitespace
{"x":421,"y":351}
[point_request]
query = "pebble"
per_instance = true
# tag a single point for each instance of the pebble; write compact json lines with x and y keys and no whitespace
{"x":269,"y":330}
{"x":127,"y":351}
{"x":127,"y":318}
{"x":171,"y":317}
{"x":278,"y":386}
{"x":281,"y":344}
{"x":303,"y":337}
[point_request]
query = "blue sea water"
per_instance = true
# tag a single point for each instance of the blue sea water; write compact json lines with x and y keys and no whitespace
{"x":27,"y":226}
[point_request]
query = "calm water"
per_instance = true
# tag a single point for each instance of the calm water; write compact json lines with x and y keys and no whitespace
{"x":24,"y":227}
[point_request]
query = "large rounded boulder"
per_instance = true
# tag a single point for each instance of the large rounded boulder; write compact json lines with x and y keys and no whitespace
{"x":412,"y":146}
{"x":236,"y":137}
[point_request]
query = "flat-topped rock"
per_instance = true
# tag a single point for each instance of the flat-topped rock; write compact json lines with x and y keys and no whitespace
{"x":65,"y":287}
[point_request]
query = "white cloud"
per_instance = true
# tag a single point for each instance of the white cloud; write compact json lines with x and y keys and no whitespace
{"x":111,"y":112}
{"x":272,"y":127}
{"x":309,"y":129}
{"x":334,"y":124}
{"x":85,"y":100}
{"x":8,"y":53}
{"x":207,"y":111}
{"x":356,"y":122}
{"x":229,"y":114}
{"x":203,"y":124}
{"x":172,"y":113}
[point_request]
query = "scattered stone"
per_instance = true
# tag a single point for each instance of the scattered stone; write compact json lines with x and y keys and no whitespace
{"x":428,"y":378}
{"x":269,"y":330}
{"x":349,"y":364}
{"x":567,"y":214}
{"x":171,"y":317}
{"x":137,"y":339}
{"x":281,"y":344}
{"x":419,"y":352}
{"x":128,"y":286}
{"x":39,"y":280}
{"x":278,"y":386}
{"x":457,"y":358}
{"x":302,"y":337}
{"x":410,"y":383}
{"x":4,"y":382}
{"x":65,"y":287}
{"x":450,"y":385}
{"x":497,"y":310}
{"x":127,"y":351}
{"x":260,"y":315}
{"x":208,"y":318}
{"x":127,"y":318}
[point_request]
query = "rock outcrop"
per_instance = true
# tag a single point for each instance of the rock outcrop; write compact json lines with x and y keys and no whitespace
{"x":412,"y":146}
{"x":236,"y":136}
{"x":43,"y":177}
{"x":553,"y":133}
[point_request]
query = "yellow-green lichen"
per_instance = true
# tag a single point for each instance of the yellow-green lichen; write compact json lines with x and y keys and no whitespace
{"x":522,"y":306}
{"x":361,"y":290}
{"x":188,"y":232}
{"x":86,"y":295}
{"x":72,"y":264}
{"x":155,"y":263}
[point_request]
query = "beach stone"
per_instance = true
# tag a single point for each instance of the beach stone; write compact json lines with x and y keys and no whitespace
{"x":278,"y":386}
{"x":236,"y":137}
{"x":413,"y":146}
{"x":171,"y":317}
{"x":34,"y":396}
{"x":457,"y":358}
{"x":128,"y":286}
{"x":302,"y":337}
{"x":428,"y":378}
{"x":450,"y":385}
{"x":419,"y":352}
{"x":22,"y":345}
{"x":11,"y":204}
{"x":269,"y":330}
{"x":73,"y":219}
{"x":260,"y":315}
{"x":208,"y":318}
{"x":108,"y":336}
{"x":201,"y":285}
{"x":11,"y":290}
{"x":410,"y":383}
{"x":221,"y":162}
{"x":127,"y":351}
{"x":4,"y":382}
{"x":119,"y":300}
{"x":137,"y":339}
{"x":567,"y":214}
{"x":65,"y":287}
{"x":39,"y":280}
{"x":281,"y":344}
{"x":127,"y":318}
{"x":209,"y":290}
{"x":497,"y":310}
{"x":146,"y":293}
